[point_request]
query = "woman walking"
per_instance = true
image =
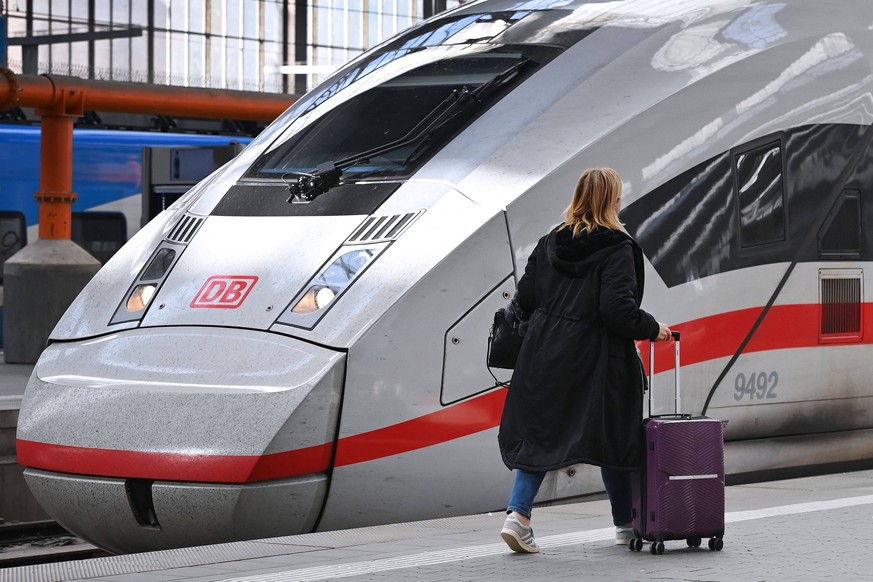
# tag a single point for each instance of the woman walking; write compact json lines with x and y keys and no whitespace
{"x":576,"y":394}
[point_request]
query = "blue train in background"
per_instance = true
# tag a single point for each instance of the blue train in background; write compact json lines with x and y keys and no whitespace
{"x":107,"y":168}
{"x":109,"y":172}
{"x":108,"y":176}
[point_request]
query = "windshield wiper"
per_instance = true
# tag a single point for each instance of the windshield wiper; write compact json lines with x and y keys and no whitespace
{"x":326,"y":175}
{"x":309,"y":186}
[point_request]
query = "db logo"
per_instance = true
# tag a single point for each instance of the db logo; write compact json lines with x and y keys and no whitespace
{"x":224,"y":291}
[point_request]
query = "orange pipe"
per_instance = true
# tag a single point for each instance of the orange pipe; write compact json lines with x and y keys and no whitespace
{"x":56,"y":194}
{"x":59,"y":100}
{"x":46,"y":91}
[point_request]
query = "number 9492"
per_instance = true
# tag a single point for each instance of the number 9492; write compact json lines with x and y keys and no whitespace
{"x":755,"y":386}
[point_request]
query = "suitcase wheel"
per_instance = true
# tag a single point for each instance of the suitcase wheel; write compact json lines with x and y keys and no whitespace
{"x":657,"y":548}
{"x":716,"y":544}
{"x":635,"y":545}
{"x":693,"y":542}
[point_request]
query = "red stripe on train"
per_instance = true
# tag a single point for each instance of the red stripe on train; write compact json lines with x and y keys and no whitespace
{"x":463,"y":419}
{"x":705,"y":339}
{"x":720,"y":336}
{"x":460,"y":420}
{"x":202,"y":468}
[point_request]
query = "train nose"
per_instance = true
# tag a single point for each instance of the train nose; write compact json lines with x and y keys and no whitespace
{"x":159,"y":438}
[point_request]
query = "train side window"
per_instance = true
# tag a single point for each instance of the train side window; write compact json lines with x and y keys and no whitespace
{"x":840,"y":236}
{"x":759,"y":183}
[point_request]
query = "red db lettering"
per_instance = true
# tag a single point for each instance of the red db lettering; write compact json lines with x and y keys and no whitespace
{"x":234,"y":293}
{"x":224,"y":291}
{"x":213,"y":290}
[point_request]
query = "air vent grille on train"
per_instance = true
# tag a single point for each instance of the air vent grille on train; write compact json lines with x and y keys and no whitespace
{"x":841,"y":299}
{"x":184,"y":230}
{"x":383,"y":228}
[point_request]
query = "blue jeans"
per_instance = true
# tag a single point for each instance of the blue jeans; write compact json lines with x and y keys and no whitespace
{"x":617,"y":484}
{"x":618,"y":489}
{"x":527,"y":483}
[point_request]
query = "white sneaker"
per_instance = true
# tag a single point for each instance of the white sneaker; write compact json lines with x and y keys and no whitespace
{"x":623,"y":535}
{"x":519,"y":537}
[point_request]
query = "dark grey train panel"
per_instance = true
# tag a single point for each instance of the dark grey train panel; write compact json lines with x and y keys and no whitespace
{"x":270,"y":199}
{"x":792,"y":196}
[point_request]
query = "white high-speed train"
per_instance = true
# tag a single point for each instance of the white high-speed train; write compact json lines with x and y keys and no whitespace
{"x":298,"y":344}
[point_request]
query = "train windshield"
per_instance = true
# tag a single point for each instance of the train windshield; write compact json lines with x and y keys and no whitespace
{"x":442,"y":92}
{"x":387,"y":112}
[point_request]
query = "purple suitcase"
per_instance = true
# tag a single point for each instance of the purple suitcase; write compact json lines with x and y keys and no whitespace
{"x":679,"y":494}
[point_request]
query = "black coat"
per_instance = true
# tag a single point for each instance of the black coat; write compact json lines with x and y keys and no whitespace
{"x":576,"y":394}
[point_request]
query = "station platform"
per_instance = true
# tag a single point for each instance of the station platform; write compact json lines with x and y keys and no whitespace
{"x":807,"y":529}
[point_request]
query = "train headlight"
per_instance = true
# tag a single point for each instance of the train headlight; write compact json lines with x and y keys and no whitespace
{"x":147,"y":283}
{"x":324,"y":296}
{"x":332,"y":281}
{"x":314,"y":299}
{"x":141,"y":297}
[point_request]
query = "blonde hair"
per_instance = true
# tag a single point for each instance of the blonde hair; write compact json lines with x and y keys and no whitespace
{"x":595,"y":202}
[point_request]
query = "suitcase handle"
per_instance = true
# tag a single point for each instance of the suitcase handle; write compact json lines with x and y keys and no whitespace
{"x":676,"y":399}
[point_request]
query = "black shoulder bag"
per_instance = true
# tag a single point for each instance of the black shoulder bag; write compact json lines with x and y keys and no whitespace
{"x":504,"y":343}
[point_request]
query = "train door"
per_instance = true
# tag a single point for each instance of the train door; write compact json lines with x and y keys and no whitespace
{"x":465,"y":373}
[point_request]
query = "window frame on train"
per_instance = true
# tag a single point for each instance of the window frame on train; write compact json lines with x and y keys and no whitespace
{"x":764,"y":229}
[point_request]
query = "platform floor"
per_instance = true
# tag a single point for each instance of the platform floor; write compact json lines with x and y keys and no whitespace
{"x":809,"y":529}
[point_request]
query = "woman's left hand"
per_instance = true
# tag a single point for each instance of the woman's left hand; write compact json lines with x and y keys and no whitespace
{"x":664,"y":333}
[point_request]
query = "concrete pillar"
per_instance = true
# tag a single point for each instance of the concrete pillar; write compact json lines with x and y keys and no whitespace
{"x":43,"y":278}
{"x":41,"y":281}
